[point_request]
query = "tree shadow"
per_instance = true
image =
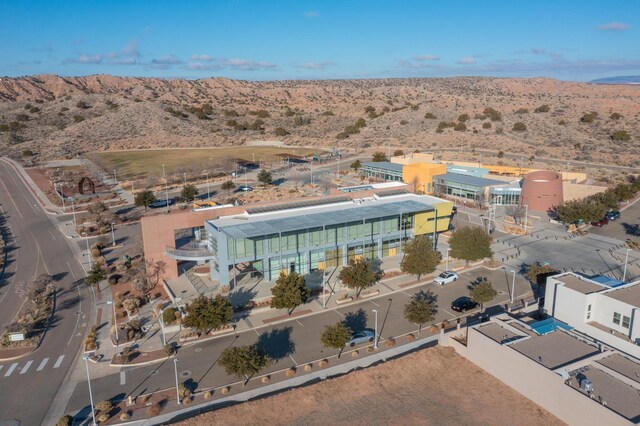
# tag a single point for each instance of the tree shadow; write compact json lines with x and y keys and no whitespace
{"x":59,"y":276}
{"x":356,"y":321}
{"x":243,"y":296}
{"x":277,"y":343}
{"x":428,"y":296}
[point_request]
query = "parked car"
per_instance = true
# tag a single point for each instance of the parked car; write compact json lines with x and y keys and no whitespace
{"x":445,"y":278}
{"x":245,"y":188}
{"x":613,"y":215}
{"x":602,"y":222}
{"x":462,"y":304}
{"x":359,"y":337}
{"x":162,"y":202}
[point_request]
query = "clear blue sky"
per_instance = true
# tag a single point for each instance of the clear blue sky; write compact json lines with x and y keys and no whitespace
{"x":286,"y":39}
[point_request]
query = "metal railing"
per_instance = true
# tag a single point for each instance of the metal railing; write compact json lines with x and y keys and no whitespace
{"x":193,"y":253}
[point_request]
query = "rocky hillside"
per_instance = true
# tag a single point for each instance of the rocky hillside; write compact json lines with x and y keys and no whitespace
{"x":63,"y":116}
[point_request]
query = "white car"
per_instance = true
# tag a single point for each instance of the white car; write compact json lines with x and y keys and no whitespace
{"x":445,"y":278}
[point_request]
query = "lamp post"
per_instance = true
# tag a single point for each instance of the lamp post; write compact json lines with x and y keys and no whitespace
{"x":208,"y":192}
{"x":115,"y":177}
{"x":526,"y":217}
{"x":73,"y":209}
{"x":175,"y":366}
{"x":447,"y":267}
{"x":513,"y":284}
{"x":113,"y":235}
{"x":93,"y":410}
{"x":115,"y":324}
{"x":84,"y":234}
{"x":160,"y":320}
{"x":61,"y":196}
{"x":626,"y":259}
{"x":375,"y":339}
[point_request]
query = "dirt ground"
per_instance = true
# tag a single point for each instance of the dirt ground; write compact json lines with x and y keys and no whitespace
{"x":431,"y":387}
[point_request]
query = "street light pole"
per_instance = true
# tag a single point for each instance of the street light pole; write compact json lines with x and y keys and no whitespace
{"x":161,"y":321}
{"x":175,"y":366}
{"x":513,"y":284}
{"x":626,"y":259}
{"x":208,"y":192}
{"x":115,"y":324}
{"x":61,"y":196}
{"x":113,"y":235}
{"x":375,"y":339}
{"x":93,"y":410}
{"x":73,"y":209}
{"x":84,"y":234}
{"x":526,"y":217}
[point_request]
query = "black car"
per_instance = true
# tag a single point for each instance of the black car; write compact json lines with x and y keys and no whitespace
{"x":613,"y":215}
{"x":462,"y":304}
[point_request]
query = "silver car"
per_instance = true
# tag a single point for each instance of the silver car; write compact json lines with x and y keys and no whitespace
{"x":359,"y":337}
{"x":445,"y":278}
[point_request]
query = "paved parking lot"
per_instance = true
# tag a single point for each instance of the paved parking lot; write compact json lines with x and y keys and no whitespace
{"x":628,"y":226}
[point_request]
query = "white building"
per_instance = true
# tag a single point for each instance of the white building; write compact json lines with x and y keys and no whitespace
{"x":609,"y":315}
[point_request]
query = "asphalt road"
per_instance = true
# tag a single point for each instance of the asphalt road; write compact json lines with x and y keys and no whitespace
{"x":296,"y":341}
{"x":29,"y":384}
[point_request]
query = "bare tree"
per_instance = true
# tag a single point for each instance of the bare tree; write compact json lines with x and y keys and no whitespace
{"x":516,"y":212}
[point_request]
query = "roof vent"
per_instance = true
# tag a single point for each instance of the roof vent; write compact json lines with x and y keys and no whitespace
{"x":586,"y":385}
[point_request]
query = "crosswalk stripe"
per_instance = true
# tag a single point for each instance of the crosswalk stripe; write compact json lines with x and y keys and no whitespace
{"x":10,"y":370}
{"x":1,"y":367}
{"x":26,"y":367}
{"x":42,"y":364}
{"x":58,"y":362}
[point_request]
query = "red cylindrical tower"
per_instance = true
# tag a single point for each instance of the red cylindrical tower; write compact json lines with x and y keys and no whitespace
{"x":541,"y":190}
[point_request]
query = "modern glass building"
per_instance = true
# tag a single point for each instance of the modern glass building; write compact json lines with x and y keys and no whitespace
{"x":308,"y":236}
{"x":466,"y":187}
{"x":383,"y":170}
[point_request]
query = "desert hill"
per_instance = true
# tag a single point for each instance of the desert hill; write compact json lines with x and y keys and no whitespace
{"x":63,"y":116}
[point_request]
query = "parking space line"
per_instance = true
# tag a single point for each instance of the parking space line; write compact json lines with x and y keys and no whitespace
{"x":26,"y":367}
{"x":256,"y":332}
{"x":447,"y":312}
{"x":301,"y":325}
{"x":374,"y":303}
{"x":123,"y":377}
{"x":342,"y":315}
{"x":10,"y":370}
{"x":294,"y":361}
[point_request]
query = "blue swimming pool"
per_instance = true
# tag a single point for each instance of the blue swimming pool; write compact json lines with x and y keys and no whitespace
{"x":549,"y":325}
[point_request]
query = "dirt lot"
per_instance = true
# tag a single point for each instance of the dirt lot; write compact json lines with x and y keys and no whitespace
{"x":431,"y":387}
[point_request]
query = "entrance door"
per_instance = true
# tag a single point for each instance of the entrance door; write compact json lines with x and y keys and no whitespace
{"x":393,"y":251}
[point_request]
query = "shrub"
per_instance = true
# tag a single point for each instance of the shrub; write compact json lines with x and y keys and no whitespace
{"x":125,"y":416}
{"x":562,"y":122}
{"x":225,"y":390}
{"x":615,"y":116}
{"x":328,"y":113}
{"x":104,"y":406}
{"x":410,"y":337}
{"x":522,"y":111}
{"x":184,"y":390}
{"x":589,"y":117}
{"x":155,"y":409}
{"x":460,"y":127}
{"x":492,"y":114}
{"x":290,"y":372}
{"x":281,"y":131}
{"x":207,"y":395}
{"x":355,"y":354}
{"x":65,"y":420}
{"x":169,"y":349}
{"x":403,"y":122}
{"x":430,"y":116}
{"x":308,"y":367}
{"x":620,"y":135}
{"x":103,"y":417}
{"x":390,"y":343}
{"x":78,"y":118}
{"x":323,"y":363}
{"x":370,"y":349}
{"x":463,"y":117}
{"x":95,"y":253}
{"x":169,"y":315}
{"x":265,"y":379}
{"x":519,"y":127}
{"x":113,"y":279}
{"x":486,"y":125}
{"x":542,"y":108}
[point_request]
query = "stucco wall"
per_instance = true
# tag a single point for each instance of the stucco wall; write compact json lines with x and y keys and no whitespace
{"x":542,"y":190}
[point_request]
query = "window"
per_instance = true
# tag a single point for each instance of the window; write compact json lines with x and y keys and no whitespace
{"x":589,"y":312}
{"x":616,"y":318}
{"x":626,"y":321}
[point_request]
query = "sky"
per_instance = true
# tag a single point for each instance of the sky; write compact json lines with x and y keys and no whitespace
{"x":342,"y":39}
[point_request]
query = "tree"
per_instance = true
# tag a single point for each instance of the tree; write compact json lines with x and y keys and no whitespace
{"x":482,"y":291}
{"x":575,"y":211}
{"x":500,"y":154}
{"x":100,"y":214}
{"x":65,"y":420}
{"x":398,"y":153}
{"x":189,"y":192}
{"x":265,"y":177}
{"x":243,"y":361}
{"x":420,"y":309}
{"x":206,"y":313}
{"x":537,"y":270}
{"x":420,"y":257}
{"x":104,"y":406}
{"x":379,"y":157}
{"x":335,"y":336}
{"x":356,"y":165}
{"x":144,"y":198}
{"x":516,"y":212}
{"x":289,"y":292}
{"x":470,"y":243}
{"x":228,"y":186}
{"x":359,"y":275}
{"x":96,"y":274}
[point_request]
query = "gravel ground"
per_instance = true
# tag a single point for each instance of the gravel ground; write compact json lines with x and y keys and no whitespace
{"x":432,"y":387}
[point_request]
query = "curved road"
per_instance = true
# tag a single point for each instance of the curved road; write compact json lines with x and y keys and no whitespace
{"x":29,"y":384}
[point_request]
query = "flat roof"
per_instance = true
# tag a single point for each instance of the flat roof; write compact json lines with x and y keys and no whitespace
{"x":580,"y":284}
{"x":393,"y":167}
{"x":497,"y":333}
{"x":622,"y":365}
{"x":628,"y":294}
{"x":555,"y":349}
{"x":469,"y":180}
{"x":617,"y":395}
{"x":255,"y":225}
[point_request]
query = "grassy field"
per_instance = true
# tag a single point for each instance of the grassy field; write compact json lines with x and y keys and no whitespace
{"x":144,"y":163}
